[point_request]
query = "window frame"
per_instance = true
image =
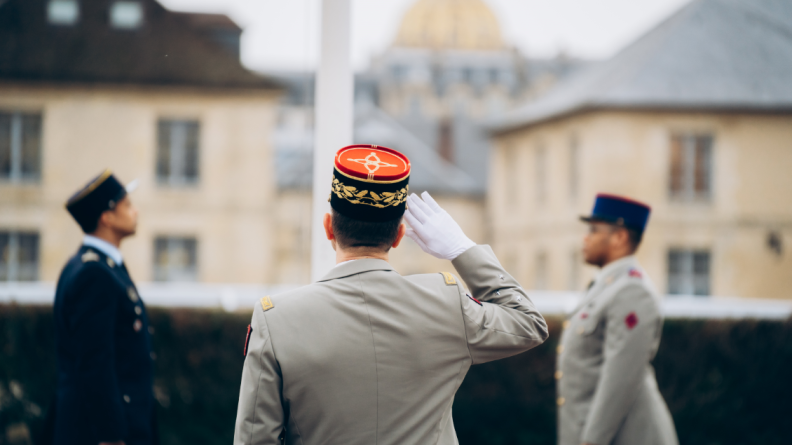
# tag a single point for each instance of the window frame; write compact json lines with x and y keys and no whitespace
{"x":685,"y":173}
{"x":165,"y":176}
{"x":11,"y":252}
{"x":18,"y":153}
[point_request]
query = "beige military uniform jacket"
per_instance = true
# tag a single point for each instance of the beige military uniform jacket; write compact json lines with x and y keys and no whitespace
{"x":607,"y":391}
{"x":366,"y":356}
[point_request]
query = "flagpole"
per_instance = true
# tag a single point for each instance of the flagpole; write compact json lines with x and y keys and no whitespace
{"x":333,"y":129}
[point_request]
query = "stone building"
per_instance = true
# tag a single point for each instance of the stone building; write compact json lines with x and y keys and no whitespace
{"x":695,"y":118}
{"x":154,"y":95}
{"x":427,"y":95}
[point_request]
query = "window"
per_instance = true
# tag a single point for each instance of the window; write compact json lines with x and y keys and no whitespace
{"x":691,"y":167}
{"x":175,"y":259}
{"x":574,"y":170}
{"x":177,"y":152}
{"x":540,"y":280}
{"x":688,"y":272}
{"x":540,"y":174}
{"x":63,"y":12}
{"x":19,"y":256}
{"x":20,"y":146}
{"x":126,"y":14}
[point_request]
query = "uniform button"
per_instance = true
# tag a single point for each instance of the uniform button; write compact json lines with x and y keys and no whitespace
{"x":560,"y":349}
{"x":581,"y":330}
{"x":137,"y":325}
{"x":138,"y":310}
{"x":560,"y":401}
{"x":565,"y":325}
{"x":500,"y":276}
{"x":126,"y":398}
{"x":519,"y":298}
{"x":558,"y":375}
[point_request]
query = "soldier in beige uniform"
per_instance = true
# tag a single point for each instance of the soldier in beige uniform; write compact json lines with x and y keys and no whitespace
{"x":607,"y":391}
{"x":366,"y":356}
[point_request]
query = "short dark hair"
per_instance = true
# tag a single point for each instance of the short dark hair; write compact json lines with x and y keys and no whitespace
{"x":634,"y":237}
{"x":351,"y":232}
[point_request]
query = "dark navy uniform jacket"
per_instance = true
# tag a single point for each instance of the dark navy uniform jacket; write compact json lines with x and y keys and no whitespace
{"x":103,"y":343}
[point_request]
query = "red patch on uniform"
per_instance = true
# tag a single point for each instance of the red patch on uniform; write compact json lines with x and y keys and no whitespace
{"x":631,"y":320}
{"x":584,"y":315}
{"x":635,"y":273}
{"x":247,"y":342}
{"x":477,"y":302}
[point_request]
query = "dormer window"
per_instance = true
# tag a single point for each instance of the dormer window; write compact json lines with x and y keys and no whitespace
{"x":63,"y":12}
{"x":126,"y":15}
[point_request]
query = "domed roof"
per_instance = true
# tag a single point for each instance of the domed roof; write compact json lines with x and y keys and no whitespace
{"x":450,"y":24}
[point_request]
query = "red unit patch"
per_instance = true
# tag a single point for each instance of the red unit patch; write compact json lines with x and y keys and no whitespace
{"x":635,"y":273}
{"x":631,"y":320}
{"x":584,"y":315}
{"x":247,"y":342}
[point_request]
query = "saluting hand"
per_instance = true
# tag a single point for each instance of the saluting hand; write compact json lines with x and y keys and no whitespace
{"x":433,"y":229}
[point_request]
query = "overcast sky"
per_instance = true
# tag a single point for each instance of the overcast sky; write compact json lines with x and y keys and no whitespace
{"x":283,"y":34}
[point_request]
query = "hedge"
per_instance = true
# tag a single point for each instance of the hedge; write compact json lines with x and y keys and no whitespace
{"x":726,"y":382}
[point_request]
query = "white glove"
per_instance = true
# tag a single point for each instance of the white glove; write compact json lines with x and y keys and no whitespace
{"x":433,"y":229}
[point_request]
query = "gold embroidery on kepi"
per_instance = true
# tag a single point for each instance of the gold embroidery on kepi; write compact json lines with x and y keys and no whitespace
{"x":449,"y":278}
{"x":89,"y":256}
{"x":266,"y":304}
{"x":370,"y":183}
{"x":110,"y":262}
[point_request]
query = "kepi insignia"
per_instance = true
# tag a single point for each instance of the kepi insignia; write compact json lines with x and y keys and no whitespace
{"x":266,"y":303}
{"x":90,"y":255}
{"x":110,"y":262}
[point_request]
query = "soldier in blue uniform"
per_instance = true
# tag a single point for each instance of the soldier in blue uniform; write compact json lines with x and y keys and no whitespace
{"x":103,"y":343}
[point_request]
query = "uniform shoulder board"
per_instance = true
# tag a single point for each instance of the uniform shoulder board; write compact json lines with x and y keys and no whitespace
{"x":90,"y":255}
{"x":266,"y":303}
{"x":635,"y":273}
{"x":449,"y":278}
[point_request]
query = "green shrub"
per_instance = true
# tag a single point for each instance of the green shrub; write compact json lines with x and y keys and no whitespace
{"x":726,"y":382}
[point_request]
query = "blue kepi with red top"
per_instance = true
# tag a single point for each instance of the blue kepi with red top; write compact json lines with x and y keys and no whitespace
{"x":619,"y":211}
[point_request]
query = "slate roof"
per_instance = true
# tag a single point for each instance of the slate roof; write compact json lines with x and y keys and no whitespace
{"x":710,"y":55}
{"x":169,"y":49}
{"x":374,"y":126}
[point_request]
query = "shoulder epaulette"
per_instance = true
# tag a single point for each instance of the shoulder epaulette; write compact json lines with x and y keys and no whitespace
{"x":449,"y":278}
{"x":90,"y":255}
{"x":266,"y":303}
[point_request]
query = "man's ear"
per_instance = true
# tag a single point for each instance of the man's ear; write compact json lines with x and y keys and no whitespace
{"x":399,"y":235}
{"x":327,"y":222}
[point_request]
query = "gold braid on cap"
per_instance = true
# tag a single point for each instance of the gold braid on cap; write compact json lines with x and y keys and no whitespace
{"x":355,"y":196}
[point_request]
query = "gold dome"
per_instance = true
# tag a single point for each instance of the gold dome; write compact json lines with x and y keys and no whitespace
{"x":450,"y":24}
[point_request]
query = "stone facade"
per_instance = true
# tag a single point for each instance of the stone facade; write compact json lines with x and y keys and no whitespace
{"x":545,"y":176}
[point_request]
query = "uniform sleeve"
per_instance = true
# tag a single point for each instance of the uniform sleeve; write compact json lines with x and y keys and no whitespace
{"x":93,"y":324}
{"x":260,"y":415}
{"x":633,"y":319}
{"x":505,"y":322}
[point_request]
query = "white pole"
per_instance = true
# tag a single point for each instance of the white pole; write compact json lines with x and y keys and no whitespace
{"x":334,"y":98}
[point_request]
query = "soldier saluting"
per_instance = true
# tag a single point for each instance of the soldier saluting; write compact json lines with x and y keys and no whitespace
{"x":607,"y":391}
{"x":103,"y":346}
{"x":365,"y":355}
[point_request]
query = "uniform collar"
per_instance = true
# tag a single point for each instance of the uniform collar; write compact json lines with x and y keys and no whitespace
{"x":616,"y":267}
{"x":348,"y":268}
{"x":104,"y":247}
